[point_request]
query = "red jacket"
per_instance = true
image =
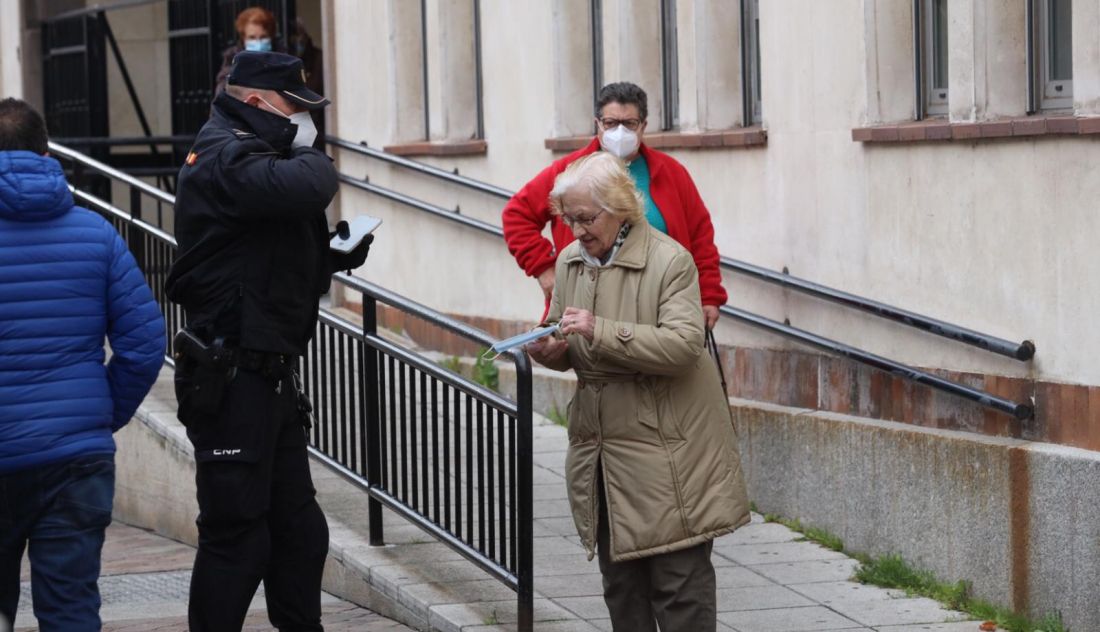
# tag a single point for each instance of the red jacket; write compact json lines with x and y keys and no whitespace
{"x":673,"y":192}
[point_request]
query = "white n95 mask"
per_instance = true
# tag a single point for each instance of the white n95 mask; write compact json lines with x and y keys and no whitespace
{"x":307,"y":131}
{"x":619,"y":142}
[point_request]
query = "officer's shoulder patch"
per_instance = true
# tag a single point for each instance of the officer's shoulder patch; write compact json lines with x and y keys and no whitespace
{"x":242,"y":135}
{"x":191,"y":158}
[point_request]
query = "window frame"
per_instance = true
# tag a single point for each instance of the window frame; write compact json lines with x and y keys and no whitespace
{"x":934,"y":98}
{"x":750,"y":63}
{"x":1046,"y":94}
{"x":670,"y":71}
{"x":425,"y":82}
{"x":595,"y":21}
{"x":479,"y":91}
{"x":479,"y":106}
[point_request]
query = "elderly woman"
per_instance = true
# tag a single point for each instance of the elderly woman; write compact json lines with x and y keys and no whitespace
{"x":653,"y":469}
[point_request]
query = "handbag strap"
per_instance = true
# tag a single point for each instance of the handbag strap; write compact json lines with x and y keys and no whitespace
{"x":712,"y":348}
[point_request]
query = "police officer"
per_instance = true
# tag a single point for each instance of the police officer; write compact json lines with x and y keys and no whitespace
{"x":253,"y":261}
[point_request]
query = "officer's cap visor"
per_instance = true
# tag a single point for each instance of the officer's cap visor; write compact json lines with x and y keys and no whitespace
{"x":306,"y":98}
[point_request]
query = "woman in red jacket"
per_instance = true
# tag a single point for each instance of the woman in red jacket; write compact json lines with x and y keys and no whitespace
{"x":672,"y":202}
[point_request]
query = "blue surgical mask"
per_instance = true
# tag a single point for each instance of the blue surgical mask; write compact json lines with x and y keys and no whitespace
{"x":508,"y":344}
{"x":258,"y":45}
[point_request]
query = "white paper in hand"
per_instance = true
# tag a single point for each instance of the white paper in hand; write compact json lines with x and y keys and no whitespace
{"x":357,"y":230}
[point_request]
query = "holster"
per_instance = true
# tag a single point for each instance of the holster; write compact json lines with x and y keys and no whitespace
{"x":202,"y":373}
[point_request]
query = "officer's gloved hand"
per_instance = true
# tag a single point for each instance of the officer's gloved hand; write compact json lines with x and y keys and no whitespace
{"x":356,"y":257}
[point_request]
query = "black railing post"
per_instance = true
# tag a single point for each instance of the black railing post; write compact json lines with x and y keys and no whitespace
{"x":525,"y":568}
{"x":369,"y":373}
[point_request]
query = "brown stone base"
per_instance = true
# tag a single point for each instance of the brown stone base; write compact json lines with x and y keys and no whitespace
{"x":1067,"y":414}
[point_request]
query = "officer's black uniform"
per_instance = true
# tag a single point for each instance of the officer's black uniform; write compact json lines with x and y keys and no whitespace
{"x":253,"y":262}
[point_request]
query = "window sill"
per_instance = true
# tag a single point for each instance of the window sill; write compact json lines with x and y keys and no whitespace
{"x":744,"y":137}
{"x":439,"y":148}
{"x":941,"y":129}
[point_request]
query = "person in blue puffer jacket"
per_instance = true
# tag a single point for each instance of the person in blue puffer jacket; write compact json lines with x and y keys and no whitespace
{"x":67,"y":282}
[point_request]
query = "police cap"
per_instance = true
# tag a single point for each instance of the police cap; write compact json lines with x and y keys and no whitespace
{"x":275,"y":71}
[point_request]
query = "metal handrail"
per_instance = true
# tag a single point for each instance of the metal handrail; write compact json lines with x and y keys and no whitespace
{"x":1022,"y":351}
{"x":123,"y":141}
{"x":419,"y":310}
{"x":1018,"y":350}
{"x":435,"y":172}
{"x":1017,"y":410}
{"x":438,"y":211}
{"x":57,"y":149}
{"x":122,"y":215}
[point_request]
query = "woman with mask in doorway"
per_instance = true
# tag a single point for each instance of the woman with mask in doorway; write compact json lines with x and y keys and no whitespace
{"x":671,"y":201}
{"x":255,"y":32}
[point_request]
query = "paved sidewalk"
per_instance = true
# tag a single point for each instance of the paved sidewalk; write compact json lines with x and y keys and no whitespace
{"x":144,"y":585}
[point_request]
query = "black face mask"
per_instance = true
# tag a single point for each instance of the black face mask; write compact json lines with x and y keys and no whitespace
{"x":276,"y":130}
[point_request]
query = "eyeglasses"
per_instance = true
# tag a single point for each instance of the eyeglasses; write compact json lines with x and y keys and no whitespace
{"x":574,"y":222}
{"x":611,"y":123}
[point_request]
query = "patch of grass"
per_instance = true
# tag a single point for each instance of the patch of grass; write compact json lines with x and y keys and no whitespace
{"x":557,"y":416}
{"x":891,"y":571}
{"x":486,"y":372}
{"x":752,"y":507}
{"x":811,"y":534}
{"x":492,"y":619}
{"x":452,"y":364}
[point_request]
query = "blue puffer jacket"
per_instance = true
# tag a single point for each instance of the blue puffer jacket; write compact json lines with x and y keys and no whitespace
{"x":67,"y":280}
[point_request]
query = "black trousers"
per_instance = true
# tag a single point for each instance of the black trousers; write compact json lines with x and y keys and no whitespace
{"x":677,"y":590}
{"x":258,"y":515}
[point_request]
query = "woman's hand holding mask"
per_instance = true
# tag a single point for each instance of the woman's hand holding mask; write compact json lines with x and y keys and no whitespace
{"x":547,"y":350}
{"x":578,"y":321}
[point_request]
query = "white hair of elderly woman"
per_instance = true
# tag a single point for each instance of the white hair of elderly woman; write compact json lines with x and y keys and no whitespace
{"x":608,"y":182}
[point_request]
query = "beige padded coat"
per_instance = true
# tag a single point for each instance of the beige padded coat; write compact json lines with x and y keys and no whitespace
{"x":649,"y":405}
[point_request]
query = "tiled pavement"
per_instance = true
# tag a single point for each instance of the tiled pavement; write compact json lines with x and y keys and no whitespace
{"x":144,"y":582}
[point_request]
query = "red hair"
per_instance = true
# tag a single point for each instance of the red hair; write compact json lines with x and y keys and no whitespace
{"x":256,"y":15}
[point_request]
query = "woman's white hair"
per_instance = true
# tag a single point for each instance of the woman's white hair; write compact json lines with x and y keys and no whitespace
{"x":606,"y":179}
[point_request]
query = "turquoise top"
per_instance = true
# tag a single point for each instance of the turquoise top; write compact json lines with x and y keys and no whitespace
{"x":639,"y":171}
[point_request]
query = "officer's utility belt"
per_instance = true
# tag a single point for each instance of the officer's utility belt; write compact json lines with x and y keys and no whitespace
{"x":264,"y":362}
{"x":201,"y":385}
{"x":216,"y":355}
